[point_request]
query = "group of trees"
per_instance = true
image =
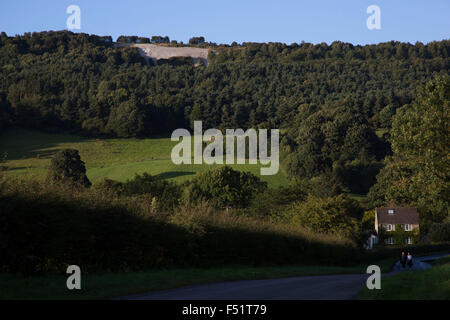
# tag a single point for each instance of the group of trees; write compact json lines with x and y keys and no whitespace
{"x":338,"y":144}
{"x":197,"y":40}
{"x":418,"y":171}
{"x":275,"y":51}
{"x":136,"y":39}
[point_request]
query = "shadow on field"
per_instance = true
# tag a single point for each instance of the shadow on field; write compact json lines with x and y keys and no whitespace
{"x":45,"y":228}
{"x":33,"y":152}
{"x":20,"y":143}
{"x":13,"y":168}
{"x":173,"y":174}
{"x":43,"y":232}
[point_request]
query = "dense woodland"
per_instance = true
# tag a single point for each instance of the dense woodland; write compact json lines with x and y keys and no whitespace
{"x":75,"y":82}
{"x":334,"y":103}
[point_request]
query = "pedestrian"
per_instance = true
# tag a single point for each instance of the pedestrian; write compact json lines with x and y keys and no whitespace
{"x":409,"y":260}
{"x":403,"y":260}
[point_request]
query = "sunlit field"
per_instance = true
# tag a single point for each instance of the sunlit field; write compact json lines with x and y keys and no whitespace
{"x":27,"y":153}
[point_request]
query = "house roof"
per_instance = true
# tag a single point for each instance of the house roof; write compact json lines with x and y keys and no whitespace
{"x":401,"y":215}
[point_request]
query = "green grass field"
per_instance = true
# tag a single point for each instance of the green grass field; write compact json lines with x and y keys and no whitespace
{"x":427,"y":284}
{"x":28,"y":155}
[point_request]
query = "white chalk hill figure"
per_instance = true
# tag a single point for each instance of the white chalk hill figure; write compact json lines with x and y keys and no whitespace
{"x":154,"y":52}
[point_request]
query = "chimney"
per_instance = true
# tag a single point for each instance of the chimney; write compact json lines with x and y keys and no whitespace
{"x":392,"y":204}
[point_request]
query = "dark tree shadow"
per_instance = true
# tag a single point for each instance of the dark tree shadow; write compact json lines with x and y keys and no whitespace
{"x":29,"y":145}
{"x":173,"y":174}
{"x":5,"y":168}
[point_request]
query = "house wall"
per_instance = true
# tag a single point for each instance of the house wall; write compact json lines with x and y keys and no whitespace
{"x":376,"y":220}
{"x":384,"y":225}
{"x":398,"y":234}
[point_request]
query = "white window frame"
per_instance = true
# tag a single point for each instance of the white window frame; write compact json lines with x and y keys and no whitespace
{"x":408,"y":240}
{"x":389,"y":240}
{"x":391,"y":211}
{"x":408,"y":227}
{"x":390,"y":227}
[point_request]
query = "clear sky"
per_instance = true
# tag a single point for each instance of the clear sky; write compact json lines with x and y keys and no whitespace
{"x":225,"y":21}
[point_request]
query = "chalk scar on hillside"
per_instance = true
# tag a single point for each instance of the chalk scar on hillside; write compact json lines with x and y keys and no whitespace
{"x":154,"y":52}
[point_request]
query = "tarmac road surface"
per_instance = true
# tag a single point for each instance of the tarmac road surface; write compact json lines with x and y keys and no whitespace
{"x":322,"y":287}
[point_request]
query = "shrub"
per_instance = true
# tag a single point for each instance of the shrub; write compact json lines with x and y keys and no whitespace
{"x":440,"y":232}
{"x":357,"y":175}
{"x":111,"y":186}
{"x":368,"y":220}
{"x":273,"y":201}
{"x":325,"y":186}
{"x":335,"y":215}
{"x":66,"y":166}
{"x":165,"y":193}
{"x":224,"y":187}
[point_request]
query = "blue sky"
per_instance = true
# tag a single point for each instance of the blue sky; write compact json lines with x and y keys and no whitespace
{"x":226,"y":21}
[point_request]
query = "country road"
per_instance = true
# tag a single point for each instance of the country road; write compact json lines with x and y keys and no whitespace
{"x":324,"y":287}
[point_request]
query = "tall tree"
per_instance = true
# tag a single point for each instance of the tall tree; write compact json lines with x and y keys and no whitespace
{"x":418,"y":173}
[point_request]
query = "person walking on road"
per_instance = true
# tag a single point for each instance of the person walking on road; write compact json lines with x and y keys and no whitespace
{"x":409,"y":260}
{"x":403,"y":260}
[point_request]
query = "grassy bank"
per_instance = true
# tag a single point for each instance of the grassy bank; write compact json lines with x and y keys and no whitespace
{"x":432,"y":284}
{"x":109,"y":285}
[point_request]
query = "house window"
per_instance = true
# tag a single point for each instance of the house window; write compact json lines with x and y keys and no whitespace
{"x":408,"y":227}
{"x":391,"y":211}
{"x":390,"y":227}
{"x":408,"y":240}
{"x":389,"y":240}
